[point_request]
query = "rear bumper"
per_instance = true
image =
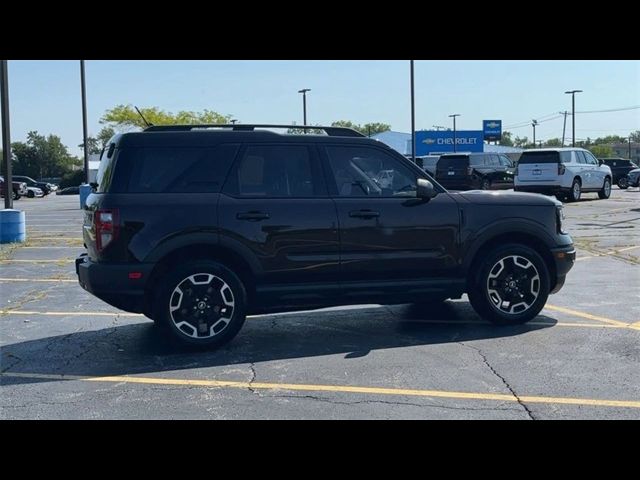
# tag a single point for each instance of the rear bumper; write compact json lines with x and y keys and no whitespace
{"x":111,"y":282}
{"x":545,"y":189}
{"x":564,"y":258}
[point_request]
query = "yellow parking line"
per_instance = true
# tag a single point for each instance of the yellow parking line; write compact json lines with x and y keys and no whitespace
{"x":77,"y":314}
{"x":498,"y":397}
{"x":612,"y":252}
{"x":586,"y":315}
{"x":628,"y":248}
{"x":435,"y":322}
{"x":65,"y":260}
{"x":9,"y":280}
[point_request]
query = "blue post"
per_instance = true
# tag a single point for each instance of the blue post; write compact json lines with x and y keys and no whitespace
{"x":85,"y":190}
{"x":12,"y":226}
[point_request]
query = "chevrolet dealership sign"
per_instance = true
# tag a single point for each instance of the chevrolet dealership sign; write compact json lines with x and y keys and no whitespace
{"x":431,"y":141}
{"x":492,"y":130}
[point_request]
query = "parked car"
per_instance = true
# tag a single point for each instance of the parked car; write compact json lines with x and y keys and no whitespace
{"x":620,"y":168}
{"x":69,"y":191}
{"x":19,"y":188}
{"x":634,"y":177}
{"x":428,"y":163}
{"x":468,"y":171}
{"x":33,"y":192}
{"x":198,"y":227}
{"x":563,"y":172}
{"x":44,"y":186}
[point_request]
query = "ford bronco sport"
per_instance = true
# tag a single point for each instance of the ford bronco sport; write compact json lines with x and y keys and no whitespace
{"x":199,"y":226}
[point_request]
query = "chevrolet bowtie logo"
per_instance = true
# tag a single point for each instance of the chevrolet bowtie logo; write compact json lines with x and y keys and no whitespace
{"x":429,"y":141}
{"x":493,"y":125}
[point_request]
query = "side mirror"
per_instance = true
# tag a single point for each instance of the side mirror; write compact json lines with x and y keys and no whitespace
{"x":600,"y":162}
{"x":424,"y":189}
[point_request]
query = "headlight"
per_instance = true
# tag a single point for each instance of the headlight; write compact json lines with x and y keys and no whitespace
{"x":560,"y":219}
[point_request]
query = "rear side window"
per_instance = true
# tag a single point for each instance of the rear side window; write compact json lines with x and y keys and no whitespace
{"x":105,"y":169}
{"x":174,"y":169}
{"x":581,"y":158}
{"x":274,"y":171}
{"x":539,"y":157}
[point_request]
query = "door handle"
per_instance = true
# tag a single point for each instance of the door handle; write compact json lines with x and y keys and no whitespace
{"x":252,"y":216}
{"x":364,"y":214}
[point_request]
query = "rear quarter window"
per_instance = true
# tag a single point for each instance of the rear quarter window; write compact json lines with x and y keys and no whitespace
{"x":453,"y":160}
{"x":173,"y":169}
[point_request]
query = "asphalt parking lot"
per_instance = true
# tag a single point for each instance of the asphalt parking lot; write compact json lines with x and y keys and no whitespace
{"x":67,"y":355}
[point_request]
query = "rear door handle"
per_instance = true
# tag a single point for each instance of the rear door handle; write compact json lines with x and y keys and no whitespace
{"x":364,"y":214}
{"x":252,"y":216}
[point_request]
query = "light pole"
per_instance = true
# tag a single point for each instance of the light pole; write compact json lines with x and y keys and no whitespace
{"x":573,"y":114}
{"x":304,"y":104}
{"x":564,"y":125}
{"x":413,"y":118}
{"x":533,"y":124}
{"x":84,"y":122}
{"x":454,"y":129}
{"x":6,"y":139}
{"x":629,"y":147}
{"x":233,"y":122}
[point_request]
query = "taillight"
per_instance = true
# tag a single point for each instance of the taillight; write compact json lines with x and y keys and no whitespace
{"x":106,"y":223}
{"x":561,"y":169}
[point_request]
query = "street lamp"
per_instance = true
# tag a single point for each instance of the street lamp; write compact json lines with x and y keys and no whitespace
{"x":233,"y":122}
{"x":85,"y":135}
{"x":304,"y":104}
{"x":573,"y":114}
{"x":6,"y":137}
{"x":534,"y":123}
{"x":454,"y":130}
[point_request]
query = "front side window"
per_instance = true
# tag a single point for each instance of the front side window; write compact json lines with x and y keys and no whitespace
{"x":273,"y":171}
{"x":366,"y":171}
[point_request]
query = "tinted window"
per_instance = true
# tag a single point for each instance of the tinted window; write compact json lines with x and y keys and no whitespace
{"x":590,"y":158}
{"x":581,"y":159}
{"x":539,"y":157}
{"x":362,"y":171}
{"x":105,"y":171}
{"x":273,"y":171}
{"x":565,"y":157}
{"x":454,"y":161}
{"x":505,"y":161}
{"x":173,"y":169}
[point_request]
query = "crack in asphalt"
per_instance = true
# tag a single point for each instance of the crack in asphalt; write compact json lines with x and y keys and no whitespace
{"x":385,"y":402}
{"x":504,"y":381}
{"x":252,"y":367}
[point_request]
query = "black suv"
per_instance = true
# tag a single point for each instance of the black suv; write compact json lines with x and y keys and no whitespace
{"x":484,"y":171}
{"x":620,"y":168}
{"x":196,"y":227}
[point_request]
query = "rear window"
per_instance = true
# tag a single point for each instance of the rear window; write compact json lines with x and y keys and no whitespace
{"x":540,"y":157}
{"x":453,"y":160}
{"x":173,"y":169}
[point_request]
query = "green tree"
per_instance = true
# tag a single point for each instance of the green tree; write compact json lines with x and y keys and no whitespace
{"x":125,"y":117}
{"x":96,"y":144}
{"x":506,"y":139}
{"x":521,"y":142}
{"x":553,"y":142}
{"x":42,"y":156}
{"x":368,"y":129}
{"x":635,"y":136}
{"x":601,"y":151}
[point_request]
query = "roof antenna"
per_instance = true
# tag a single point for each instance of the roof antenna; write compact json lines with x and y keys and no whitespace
{"x":143,"y":119}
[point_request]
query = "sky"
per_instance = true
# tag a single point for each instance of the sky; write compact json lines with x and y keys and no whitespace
{"x":45,"y":95}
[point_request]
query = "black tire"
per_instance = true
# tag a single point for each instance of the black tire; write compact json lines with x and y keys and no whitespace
{"x":605,"y":191}
{"x":485,"y":184}
{"x":30,"y":194}
{"x":576,"y":190}
{"x":529,"y":276}
{"x":217,"y":289}
{"x":623,"y":182}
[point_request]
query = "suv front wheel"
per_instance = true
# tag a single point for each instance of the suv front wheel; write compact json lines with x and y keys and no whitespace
{"x":512,"y":285}
{"x":202,"y":303}
{"x":623,"y":182}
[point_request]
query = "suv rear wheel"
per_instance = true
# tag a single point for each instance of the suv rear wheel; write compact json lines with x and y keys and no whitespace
{"x":485,"y":184}
{"x":512,"y":285}
{"x":605,"y":191}
{"x":576,"y":190}
{"x":202,"y":303}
